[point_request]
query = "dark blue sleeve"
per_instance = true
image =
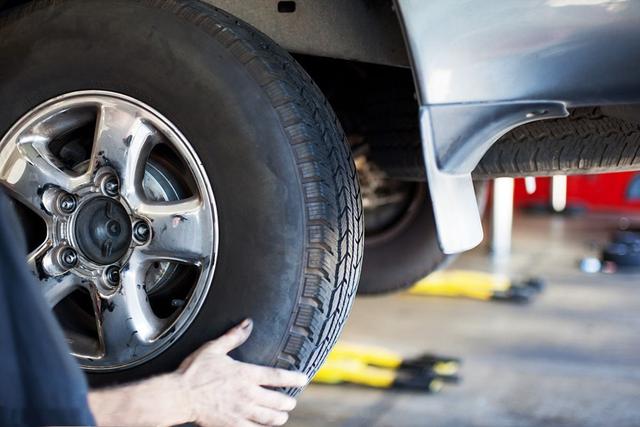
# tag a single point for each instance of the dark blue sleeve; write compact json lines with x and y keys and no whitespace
{"x":40,"y":383}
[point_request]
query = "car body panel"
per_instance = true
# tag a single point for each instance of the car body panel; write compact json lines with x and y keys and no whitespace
{"x":360,"y":30}
{"x":483,"y":68}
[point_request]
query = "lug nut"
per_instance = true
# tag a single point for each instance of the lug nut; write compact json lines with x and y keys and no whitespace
{"x":68,"y":258}
{"x":112,"y":275}
{"x":141,"y":231}
{"x":67,"y":203}
{"x":111,"y":186}
{"x":177,"y":303}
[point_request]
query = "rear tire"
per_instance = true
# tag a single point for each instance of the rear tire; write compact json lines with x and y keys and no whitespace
{"x":405,"y":252}
{"x":588,"y":141}
{"x":290,"y":221}
{"x":407,"y":249}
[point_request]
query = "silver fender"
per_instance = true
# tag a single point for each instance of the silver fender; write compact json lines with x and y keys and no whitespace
{"x":485,"y":67}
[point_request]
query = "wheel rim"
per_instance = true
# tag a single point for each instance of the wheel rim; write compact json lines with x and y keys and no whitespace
{"x":117,"y":230}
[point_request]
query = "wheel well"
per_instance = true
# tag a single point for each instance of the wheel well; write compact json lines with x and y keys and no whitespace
{"x":368,"y":98}
{"x":377,"y":107}
{"x":362,"y":30}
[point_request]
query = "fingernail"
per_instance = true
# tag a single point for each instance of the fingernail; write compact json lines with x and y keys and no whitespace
{"x":246,"y":323}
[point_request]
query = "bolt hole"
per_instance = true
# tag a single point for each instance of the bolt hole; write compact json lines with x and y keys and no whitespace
{"x":286,"y":6}
{"x":537,"y":113}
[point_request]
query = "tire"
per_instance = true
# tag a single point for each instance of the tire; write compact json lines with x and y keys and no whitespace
{"x":407,"y":250}
{"x":588,"y":141}
{"x":286,"y":190}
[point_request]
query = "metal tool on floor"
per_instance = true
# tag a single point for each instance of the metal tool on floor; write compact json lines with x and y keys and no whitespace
{"x":381,"y":368}
{"x":477,"y":285}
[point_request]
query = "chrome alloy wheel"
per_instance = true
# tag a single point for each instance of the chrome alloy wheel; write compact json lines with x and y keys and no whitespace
{"x":129,"y":224}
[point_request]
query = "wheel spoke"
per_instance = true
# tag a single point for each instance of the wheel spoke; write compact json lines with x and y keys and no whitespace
{"x":123,"y":141}
{"x":114,"y":194}
{"x":180,"y":231}
{"x":126,"y":320}
{"x":30,"y":168}
{"x":55,"y":289}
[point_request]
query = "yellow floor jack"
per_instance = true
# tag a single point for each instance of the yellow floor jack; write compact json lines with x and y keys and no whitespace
{"x":477,"y":285}
{"x":376,"y":367}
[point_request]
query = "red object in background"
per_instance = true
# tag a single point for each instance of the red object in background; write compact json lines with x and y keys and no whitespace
{"x":610,"y":192}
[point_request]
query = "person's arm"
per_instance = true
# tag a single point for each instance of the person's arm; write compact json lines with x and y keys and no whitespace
{"x":209,"y":388}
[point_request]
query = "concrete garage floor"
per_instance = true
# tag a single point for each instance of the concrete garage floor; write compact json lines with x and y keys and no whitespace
{"x":572,"y":358}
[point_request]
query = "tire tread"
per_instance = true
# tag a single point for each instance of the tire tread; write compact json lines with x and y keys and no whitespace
{"x":588,"y":141}
{"x":334,"y":235}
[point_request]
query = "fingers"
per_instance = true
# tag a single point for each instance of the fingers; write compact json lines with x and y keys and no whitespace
{"x":267,"y":416}
{"x":273,"y":399}
{"x":232,"y":339}
{"x":276,"y":377}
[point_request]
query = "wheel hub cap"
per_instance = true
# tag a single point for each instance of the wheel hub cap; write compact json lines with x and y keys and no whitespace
{"x":103,"y":230}
{"x":121,"y":222}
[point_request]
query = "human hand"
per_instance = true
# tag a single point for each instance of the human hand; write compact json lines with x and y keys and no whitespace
{"x":224,"y":392}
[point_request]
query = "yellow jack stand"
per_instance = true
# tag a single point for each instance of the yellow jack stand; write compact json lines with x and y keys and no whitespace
{"x":476,"y":285}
